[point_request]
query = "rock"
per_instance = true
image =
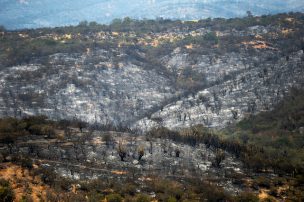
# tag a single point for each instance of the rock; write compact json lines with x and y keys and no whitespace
{"x":301,"y":130}
{"x":9,"y":158}
{"x":135,"y":162}
{"x":112,"y":157}
{"x":152,"y":194}
{"x":203,"y":167}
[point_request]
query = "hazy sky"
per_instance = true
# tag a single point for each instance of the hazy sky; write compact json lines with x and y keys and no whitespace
{"x":15,"y":14}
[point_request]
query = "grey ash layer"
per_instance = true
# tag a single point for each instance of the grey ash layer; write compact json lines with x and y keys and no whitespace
{"x":112,"y":86}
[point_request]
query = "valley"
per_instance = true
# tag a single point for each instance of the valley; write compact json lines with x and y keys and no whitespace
{"x":154,"y":110}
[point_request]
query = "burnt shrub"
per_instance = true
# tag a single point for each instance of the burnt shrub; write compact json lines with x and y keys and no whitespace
{"x":26,"y":162}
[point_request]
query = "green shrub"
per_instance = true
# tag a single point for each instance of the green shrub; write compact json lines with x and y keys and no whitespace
{"x":142,"y":198}
{"x":263,"y":182}
{"x":95,"y":196}
{"x":129,"y":189}
{"x":114,"y":198}
{"x":171,"y":199}
{"x":247,"y":197}
{"x":26,"y":198}
{"x":6,"y":192}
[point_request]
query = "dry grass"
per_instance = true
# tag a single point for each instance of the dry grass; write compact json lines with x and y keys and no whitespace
{"x":258,"y":44}
{"x":22,"y":182}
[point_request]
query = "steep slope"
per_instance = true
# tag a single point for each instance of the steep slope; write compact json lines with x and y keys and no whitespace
{"x":74,"y":87}
{"x":253,"y":90}
{"x":212,"y":72}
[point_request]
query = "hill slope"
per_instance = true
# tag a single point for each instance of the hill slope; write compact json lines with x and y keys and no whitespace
{"x":43,"y":13}
{"x":147,"y":73}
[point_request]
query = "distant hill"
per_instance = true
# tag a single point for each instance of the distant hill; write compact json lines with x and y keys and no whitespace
{"x":18,"y":14}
